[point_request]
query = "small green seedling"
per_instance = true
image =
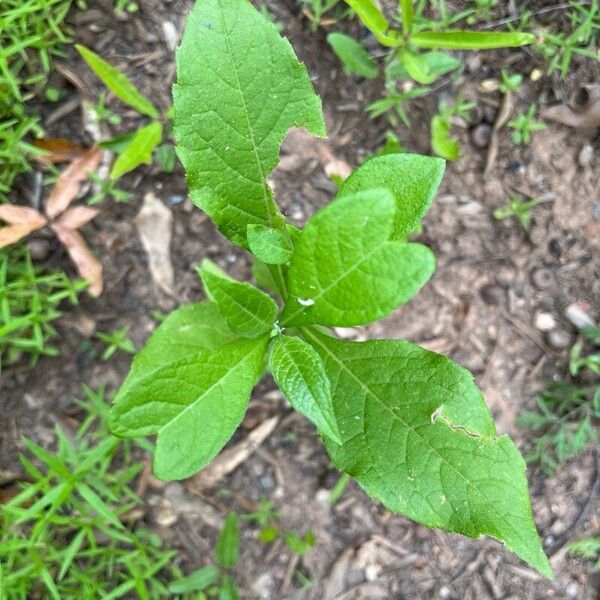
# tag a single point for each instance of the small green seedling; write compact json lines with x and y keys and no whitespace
{"x":216,"y":579}
{"x":442,"y":142}
{"x":116,"y":340}
{"x":524,"y":124}
{"x":409,"y":425}
{"x":316,"y":11}
{"x":568,"y":411}
{"x":587,"y":548}
{"x":510,"y":82}
{"x":138,"y":147}
{"x":517,"y":207}
{"x":415,"y":51}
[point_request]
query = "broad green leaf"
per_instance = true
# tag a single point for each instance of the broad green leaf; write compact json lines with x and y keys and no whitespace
{"x":433,"y":64}
{"x":227,"y":546}
{"x":248,"y":311}
{"x":345,"y":270}
{"x":418,"y":437}
{"x":413,"y":179}
{"x":299,"y":372}
{"x":194,"y":404}
{"x":416,"y":67}
{"x":197,"y":581}
{"x":139,"y":150}
{"x":239,"y":89}
{"x":263,"y":276}
{"x":374,"y":20}
{"x":185,"y":331}
{"x":117,"y":82}
{"x":271,"y":246}
{"x":228,"y":590}
{"x":407,"y":15}
{"x":471,"y":40}
{"x":353,"y":56}
{"x":442,"y":142}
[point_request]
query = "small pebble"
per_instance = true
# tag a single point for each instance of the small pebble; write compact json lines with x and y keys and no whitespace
{"x":585,"y":156}
{"x":175,"y":199}
{"x":39,"y":249}
{"x":577,"y":314}
{"x":543,"y":278}
{"x":559,"y":339}
{"x":572,"y":590}
{"x":544,"y":321}
{"x":481,"y":135}
{"x":492,"y":294}
{"x":596,"y":211}
{"x":371,"y":572}
{"x":267,"y":482}
{"x":444,"y":592}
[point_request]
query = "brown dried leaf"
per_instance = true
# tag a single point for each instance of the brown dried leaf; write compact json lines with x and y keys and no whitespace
{"x":77,"y":217}
{"x":582,"y":111}
{"x":21,"y":215}
{"x":13,"y":233}
{"x":88,"y":266}
{"x":68,"y":183}
{"x":58,"y":151}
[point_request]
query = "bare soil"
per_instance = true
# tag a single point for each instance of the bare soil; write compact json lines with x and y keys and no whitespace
{"x":492,"y":279}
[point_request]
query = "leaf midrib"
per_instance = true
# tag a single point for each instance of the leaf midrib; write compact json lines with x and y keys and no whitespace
{"x":434,"y":450}
{"x":228,"y":374}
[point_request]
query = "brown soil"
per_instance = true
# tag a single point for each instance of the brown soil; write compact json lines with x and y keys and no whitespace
{"x":479,"y":308}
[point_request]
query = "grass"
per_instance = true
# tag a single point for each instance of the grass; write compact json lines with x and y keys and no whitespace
{"x":70,"y":532}
{"x":32,"y":33}
{"x":29,"y":304}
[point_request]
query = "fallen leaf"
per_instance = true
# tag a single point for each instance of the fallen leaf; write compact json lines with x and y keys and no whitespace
{"x":154,"y":223}
{"x":68,"y":183}
{"x":13,"y":233}
{"x":88,"y":266}
{"x":583,"y":110}
{"x":76,"y":217}
{"x":58,"y":151}
{"x":21,"y":215}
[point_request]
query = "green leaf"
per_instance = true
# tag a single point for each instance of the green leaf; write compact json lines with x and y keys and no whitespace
{"x":375,"y":21}
{"x":248,"y":311}
{"x":442,"y":142}
{"x":346,"y":272}
{"x":194,"y":404}
{"x":227,"y":547}
{"x":353,"y":56}
{"x":471,"y":40}
{"x":418,"y":437}
{"x":197,"y":581}
{"x":299,"y":372}
{"x":426,"y":68}
{"x":228,"y":589}
{"x":240,"y":88}
{"x":139,"y":150}
{"x":413,"y":179}
{"x":407,"y":15}
{"x":300,"y":545}
{"x":271,"y":246}
{"x":117,"y":82}
{"x":185,"y":331}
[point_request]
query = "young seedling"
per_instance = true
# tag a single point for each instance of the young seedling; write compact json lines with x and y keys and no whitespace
{"x":510,"y":82}
{"x":216,"y":579}
{"x":409,"y":425}
{"x":442,"y":142}
{"x":519,"y":208}
{"x":116,"y":340}
{"x":524,"y":124}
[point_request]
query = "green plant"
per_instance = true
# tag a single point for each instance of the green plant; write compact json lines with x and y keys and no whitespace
{"x":558,"y":47}
{"x":316,"y":10}
{"x":32,"y":33}
{"x":29,"y":304}
{"x":588,"y":548}
{"x":564,"y":422}
{"x":510,"y":83}
{"x":408,"y":424}
{"x":413,"y":52}
{"x":216,"y":579}
{"x":70,"y":533}
{"x":524,"y":124}
{"x":138,"y":147}
{"x":519,"y":208}
{"x":116,"y":340}
{"x":442,"y":143}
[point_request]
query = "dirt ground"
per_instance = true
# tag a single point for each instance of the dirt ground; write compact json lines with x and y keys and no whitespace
{"x":480,"y":308}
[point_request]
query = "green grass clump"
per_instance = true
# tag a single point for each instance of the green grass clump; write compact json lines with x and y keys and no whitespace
{"x":32,"y":32}
{"x":29,"y":303}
